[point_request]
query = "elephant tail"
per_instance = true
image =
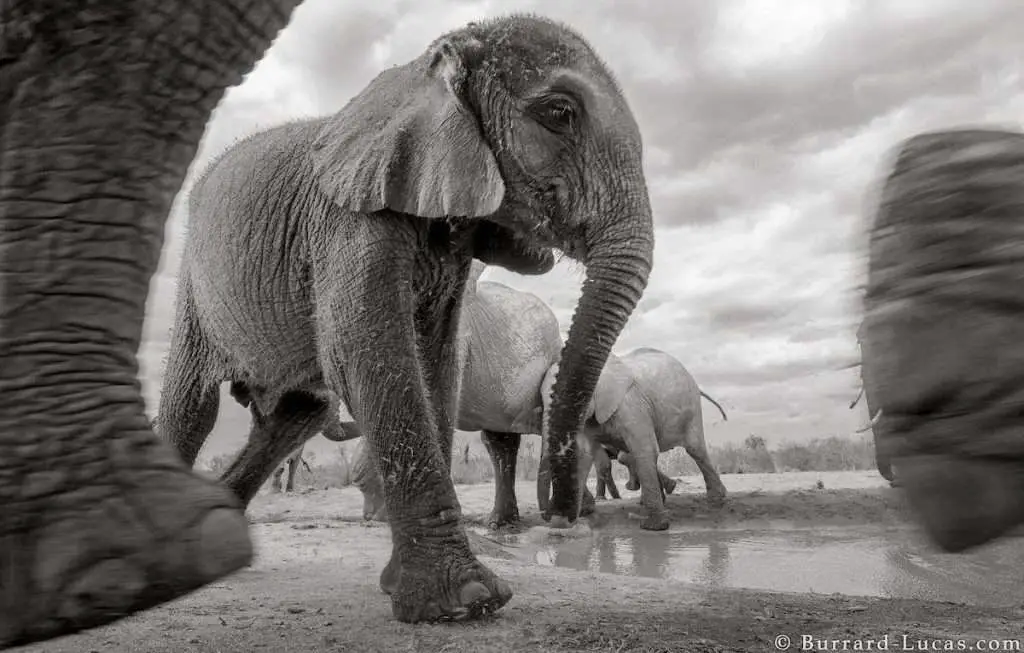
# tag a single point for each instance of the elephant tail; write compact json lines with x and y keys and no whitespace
{"x":305,"y":464}
{"x":717,"y":405}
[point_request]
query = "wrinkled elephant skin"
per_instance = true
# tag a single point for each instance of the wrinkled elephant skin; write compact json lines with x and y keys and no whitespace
{"x":99,"y":121}
{"x":326,"y":259}
{"x":508,"y":339}
{"x":943,"y":331}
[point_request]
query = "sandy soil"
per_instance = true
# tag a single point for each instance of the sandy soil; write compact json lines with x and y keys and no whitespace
{"x":314,"y":586}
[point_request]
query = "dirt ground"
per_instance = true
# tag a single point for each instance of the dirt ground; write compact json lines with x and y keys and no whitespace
{"x":314,"y":587}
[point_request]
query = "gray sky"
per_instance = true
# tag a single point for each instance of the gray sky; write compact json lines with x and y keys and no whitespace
{"x":764,"y":123}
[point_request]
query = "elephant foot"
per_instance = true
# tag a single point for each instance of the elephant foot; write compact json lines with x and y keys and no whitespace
{"x":669,"y":485}
{"x":632,"y":485}
{"x":894,"y":483}
{"x":90,"y":560}
{"x":655,"y":522}
{"x":427,"y":592}
{"x":716,"y":497}
{"x":587,"y":503}
{"x":964,"y":502}
{"x":503,"y":517}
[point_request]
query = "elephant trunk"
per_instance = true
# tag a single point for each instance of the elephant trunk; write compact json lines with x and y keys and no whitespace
{"x":619,"y":258}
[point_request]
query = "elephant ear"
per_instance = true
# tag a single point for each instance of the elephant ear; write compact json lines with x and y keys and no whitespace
{"x":409,"y":143}
{"x":615,"y":381}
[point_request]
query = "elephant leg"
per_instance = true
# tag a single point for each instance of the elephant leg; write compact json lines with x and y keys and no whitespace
{"x":275,"y":480}
{"x":503,"y":448}
{"x":941,"y":336}
{"x":633,"y":484}
{"x":605,"y":480}
{"x":634,"y":424}
{"x":627,"y":461}
{"x":693,"y":442}
{"x":294,"y":461}
{"x":99,"y":519}
{"x":378,"y":352}
{"x":366,"y":478}
{"x":297,"y":417}
{"x":189,"y":401}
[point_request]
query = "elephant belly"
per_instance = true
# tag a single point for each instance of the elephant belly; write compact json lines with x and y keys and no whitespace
{"x":270,"y":343}
{"x":479,"y":414}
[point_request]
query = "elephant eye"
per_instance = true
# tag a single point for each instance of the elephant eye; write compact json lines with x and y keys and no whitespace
{"x":557,"y":114}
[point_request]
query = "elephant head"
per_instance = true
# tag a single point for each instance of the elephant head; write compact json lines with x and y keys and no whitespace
{"x":942,"y":335}
{"x":516,"y":124}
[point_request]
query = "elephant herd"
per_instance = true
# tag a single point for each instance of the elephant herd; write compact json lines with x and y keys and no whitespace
{"x":327,"y":261}
{"x":508,"y":347}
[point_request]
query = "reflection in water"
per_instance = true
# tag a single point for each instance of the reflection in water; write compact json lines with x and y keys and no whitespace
{"x":871,"y":562}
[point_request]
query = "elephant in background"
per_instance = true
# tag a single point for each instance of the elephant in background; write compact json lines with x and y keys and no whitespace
{"x":292,"y":463}
{"x":327,"y":257}
{"x":334,"y":430}
{"x":943,"y":327}
{"x":645,"y":403}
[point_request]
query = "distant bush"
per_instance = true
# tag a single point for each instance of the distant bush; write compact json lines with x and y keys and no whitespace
{"x":471,"y":464}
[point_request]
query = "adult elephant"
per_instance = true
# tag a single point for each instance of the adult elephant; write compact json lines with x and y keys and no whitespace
{"x":645,"y":403}
{"x":943,"y":326}
{"x":328,"y":257}
{"x":507,"y":136}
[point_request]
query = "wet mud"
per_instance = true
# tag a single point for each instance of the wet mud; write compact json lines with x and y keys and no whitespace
{"x":831,"y":557}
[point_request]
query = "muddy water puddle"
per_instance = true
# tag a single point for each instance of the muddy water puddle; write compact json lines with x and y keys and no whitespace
{"x":893,"y":563}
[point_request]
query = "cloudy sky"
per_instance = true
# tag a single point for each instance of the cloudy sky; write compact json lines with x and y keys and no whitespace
{"x":764,"y":124}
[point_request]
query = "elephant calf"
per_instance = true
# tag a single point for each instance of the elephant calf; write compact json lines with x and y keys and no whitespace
{"x":645,"y":402}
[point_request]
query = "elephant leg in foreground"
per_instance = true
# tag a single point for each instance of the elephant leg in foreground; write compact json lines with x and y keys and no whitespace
{"x":432,"y":572}
{"x":503,"y":449}
{"x":943,"y":331}
{"x":89,"y":165}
